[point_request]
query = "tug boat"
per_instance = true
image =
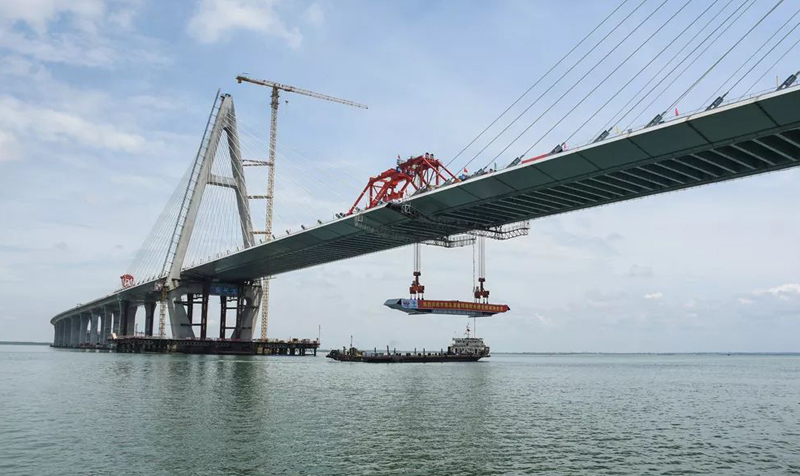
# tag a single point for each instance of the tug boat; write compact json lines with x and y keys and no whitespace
{"x":462,"y":349}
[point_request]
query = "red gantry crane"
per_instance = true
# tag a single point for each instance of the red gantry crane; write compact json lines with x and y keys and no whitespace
{"x":408,"y":177}
{"x":417,"y":175}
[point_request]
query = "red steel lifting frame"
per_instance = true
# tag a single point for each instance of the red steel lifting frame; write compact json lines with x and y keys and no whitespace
{"x":418,"y":172}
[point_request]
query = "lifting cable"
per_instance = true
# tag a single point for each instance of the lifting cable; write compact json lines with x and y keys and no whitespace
{"x":722,"y":57}
{"x":796,"y":42}
{"x":616,"y":117}
{"x":474,"y":269}
{"x":556,"y":82}
{"x":641,"y":70}
{"x":721,"y":98}
{"x":609,"y":75}
{"x":685,"y":69}
{"x":538,"y":81}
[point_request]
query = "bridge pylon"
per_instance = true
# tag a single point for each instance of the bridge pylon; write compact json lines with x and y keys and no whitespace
{"x":221,"y":122}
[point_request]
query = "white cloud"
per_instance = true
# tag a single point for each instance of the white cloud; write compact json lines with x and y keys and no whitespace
{"x":654,"y":296}
{"x":745,"y":301}
{"x":215,"y":18}
{"x":543,"y":320}
{"x":9,"y":147}
{"x":637,"y":271}
{"x":88,"y":33}
{"x":23,"y":68}
{"x":7,"y":275}
{"x":51,"y":125}
{"x":783,"y":290}
{"x":314,"y":14}
{"x":37,"y":14}
{"x":63,"y":48}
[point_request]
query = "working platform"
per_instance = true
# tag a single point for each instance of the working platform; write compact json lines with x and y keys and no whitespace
{"x":455,"y":308}
{"x":140,"y":344}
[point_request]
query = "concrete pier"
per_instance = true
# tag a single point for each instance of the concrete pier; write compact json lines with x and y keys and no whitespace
{"x":105,"y":332}
{"x":149,"y":313}
{"x":93,"y":330}
{"x":89,"y":329}
{"x":112,"y":324}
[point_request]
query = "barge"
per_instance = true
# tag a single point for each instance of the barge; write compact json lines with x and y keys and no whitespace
{"x":463,"y":349}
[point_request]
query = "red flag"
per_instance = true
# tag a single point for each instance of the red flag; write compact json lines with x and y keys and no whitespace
{"x":465,"y":170}
{"x":676,"y":111}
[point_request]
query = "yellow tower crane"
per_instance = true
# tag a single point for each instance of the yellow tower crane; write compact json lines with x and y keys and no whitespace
{"x":269,"y":197}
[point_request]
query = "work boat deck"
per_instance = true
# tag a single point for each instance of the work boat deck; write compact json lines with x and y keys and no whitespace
{"x":463,"y":349}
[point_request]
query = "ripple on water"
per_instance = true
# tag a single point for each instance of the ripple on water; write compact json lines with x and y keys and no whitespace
{"x":64,"y":412}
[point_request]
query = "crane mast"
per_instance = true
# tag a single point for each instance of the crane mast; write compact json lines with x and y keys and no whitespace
{"x":270,"y":196}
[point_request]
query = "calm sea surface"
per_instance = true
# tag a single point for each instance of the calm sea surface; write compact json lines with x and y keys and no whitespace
{"x":73,"y":412}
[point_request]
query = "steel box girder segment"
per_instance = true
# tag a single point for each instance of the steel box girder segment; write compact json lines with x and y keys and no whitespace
{"x":417,"y":172}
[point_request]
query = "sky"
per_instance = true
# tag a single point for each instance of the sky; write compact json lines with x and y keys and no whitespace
{"x":103,"y":104}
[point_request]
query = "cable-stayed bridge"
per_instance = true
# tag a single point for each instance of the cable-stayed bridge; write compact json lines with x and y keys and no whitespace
{"x":750,"y":137}
{"x":181,"y":263}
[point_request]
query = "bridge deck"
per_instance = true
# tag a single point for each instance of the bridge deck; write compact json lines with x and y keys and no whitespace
{"x":753,"y":136}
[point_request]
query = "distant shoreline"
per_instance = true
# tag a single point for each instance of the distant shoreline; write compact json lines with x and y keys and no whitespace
{"x":11,"y":342}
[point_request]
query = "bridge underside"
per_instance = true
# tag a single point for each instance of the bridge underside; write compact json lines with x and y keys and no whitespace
{"x":747,"y":138}
{"x":754,"y":136}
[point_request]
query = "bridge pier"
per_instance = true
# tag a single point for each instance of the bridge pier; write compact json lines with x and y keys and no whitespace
{"x":93,"y":318}
{"x":57,"y":334}
{"x":122,"y":323}
{"x":75,"y":327}
{"x":115,"y":324}
{"x":127,"y":313}
{"x":181,"y":303}
{"x":180,"y":313}
{"x":84,"y":333}
{"x":149,"y":312}
{"x":204,"y":311}
{"x":249,"y":302}
{"x":105,"y":331}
